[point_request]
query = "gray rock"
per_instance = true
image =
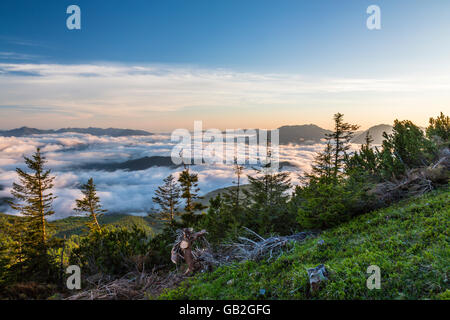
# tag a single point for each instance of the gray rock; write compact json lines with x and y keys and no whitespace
{"x":316,"y":276}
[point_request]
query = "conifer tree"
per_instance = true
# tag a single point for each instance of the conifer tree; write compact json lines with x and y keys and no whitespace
{"x":325,"y":199}
{"x":405,"y":148}
{"x":268,"y":198}
{"x":322,"y":166}
{"x":14,"y":233}
{"x":439,"y":127}
{"x":233,"y":195}
{"x":90,"y":205}
{"x":364,"y":161}
{"x":367,"y":141}
{"x":168,"y":198}
{"x":33,"y":200}
{"x":340,"y":142}
{"x":189,"y":192}
{"x":220,"y":220}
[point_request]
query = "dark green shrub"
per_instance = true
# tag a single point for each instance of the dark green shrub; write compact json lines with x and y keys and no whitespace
{"x":324,"y":205}
{"x":267,"y":210}
{"x":406,"y":148}
{"x":222,"y":221}
{"x":440,"y":128}
{"x":113,"y":251}
{"x":161,"y":245}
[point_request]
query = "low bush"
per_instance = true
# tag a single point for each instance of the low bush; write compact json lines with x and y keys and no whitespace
{"x":112,"y":251}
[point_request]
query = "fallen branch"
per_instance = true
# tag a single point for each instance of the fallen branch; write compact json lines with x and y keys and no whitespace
{"x":248,"y":249}
{"x":133,"y":286}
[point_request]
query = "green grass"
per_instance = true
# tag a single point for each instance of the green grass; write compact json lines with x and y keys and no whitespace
{"x":409,"y":241}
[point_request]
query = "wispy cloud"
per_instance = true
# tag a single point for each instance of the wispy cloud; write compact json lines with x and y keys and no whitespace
{"x":124,"y":91}
{"x":6,"y":55}
{"x":22,"y":42}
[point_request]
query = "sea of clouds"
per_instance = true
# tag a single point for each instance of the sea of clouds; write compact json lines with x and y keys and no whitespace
{"x":121,"y":191}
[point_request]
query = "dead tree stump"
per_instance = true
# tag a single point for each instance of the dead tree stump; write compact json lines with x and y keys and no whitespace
{"x":183,"y":247}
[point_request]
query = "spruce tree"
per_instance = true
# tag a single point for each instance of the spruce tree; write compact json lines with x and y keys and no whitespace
{"x":14,"y":242}
{"x":327,"y":199}
{"x":189,"y":192}
{"x":168,"y":198}
{"x":439,"y":127}
{"x":268,"y":196}
{"x":90,"y":205}
{"x":219,"y":221}
{"x":340,"y":142}
{"x":365,"y":161}
{"x":234,"y":194}
{"x":322,"y":166}
{"x":33,"y":200}
{"x":405,"y":148}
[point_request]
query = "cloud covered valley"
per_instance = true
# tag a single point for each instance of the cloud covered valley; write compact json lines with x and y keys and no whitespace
{"x":70,"y":155}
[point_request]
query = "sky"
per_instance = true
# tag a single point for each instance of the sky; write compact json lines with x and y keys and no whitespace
{"x":160,"y":65}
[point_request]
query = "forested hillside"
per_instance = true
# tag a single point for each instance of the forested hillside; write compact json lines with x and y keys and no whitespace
{"x":77,"y":225}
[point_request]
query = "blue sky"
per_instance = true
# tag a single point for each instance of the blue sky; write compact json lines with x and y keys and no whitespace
{"x":322,"y":41}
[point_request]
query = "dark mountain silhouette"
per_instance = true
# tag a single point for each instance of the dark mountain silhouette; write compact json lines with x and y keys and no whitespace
{"x":21,"y":132}
{"x":113,"y":132}
{"x":302,"y":134}
{"x":295,"y":134}
{"x":148,"y":162}
{"x":133,"y":165}
{"x":376,"y":132}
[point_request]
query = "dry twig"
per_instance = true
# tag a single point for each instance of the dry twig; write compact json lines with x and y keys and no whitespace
{"x":248,"y":249}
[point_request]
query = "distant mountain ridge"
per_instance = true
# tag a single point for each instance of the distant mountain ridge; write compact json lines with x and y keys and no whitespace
{"x":113,"y":132}
{"x":133,"y":165}
{"x":311,"y":133}
{"x":302,"y":134}
{"x":289,"y":134}
{"x":375,"y":132}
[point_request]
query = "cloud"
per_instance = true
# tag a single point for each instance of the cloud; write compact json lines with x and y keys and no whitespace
{"x":8,"y":55}
{"x":90,"y":91}
{"x":120,"y":191}
{"x":22,"y":42}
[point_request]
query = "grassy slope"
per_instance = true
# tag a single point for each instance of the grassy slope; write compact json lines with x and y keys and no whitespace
{"x":409,"y":241}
